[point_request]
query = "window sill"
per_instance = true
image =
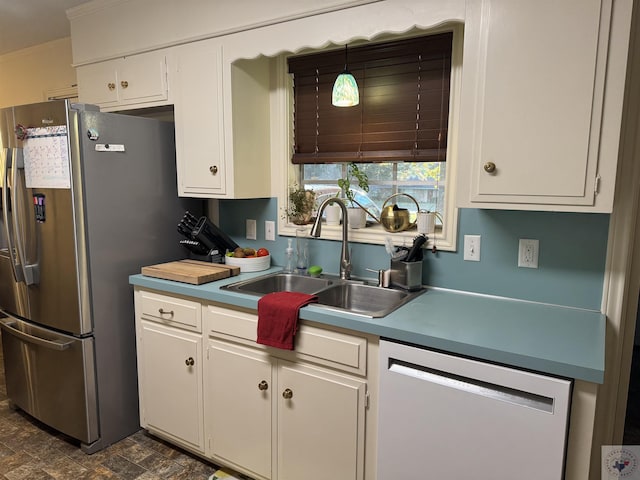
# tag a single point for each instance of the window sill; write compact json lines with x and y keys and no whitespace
{"x":373,"y":233}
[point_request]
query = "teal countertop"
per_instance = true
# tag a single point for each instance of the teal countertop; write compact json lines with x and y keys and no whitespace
{"x":557,"y":340}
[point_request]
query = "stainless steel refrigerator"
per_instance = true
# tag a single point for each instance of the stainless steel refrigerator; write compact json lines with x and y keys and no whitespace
{"x":88,"y":198}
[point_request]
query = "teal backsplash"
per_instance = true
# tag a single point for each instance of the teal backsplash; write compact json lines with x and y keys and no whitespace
{"x":571,"y":262}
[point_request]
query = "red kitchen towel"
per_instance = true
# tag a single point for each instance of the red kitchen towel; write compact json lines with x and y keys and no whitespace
{"x":278,"y":317}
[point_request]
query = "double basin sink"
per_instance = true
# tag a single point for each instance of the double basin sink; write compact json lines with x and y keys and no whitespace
{"x":352,"y":296}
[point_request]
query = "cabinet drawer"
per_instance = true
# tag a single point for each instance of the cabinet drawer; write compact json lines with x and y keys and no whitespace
{"x":169,"y":310}
{"x":327,"y":347}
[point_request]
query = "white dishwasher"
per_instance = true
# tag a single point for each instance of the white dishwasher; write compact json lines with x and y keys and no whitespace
{"x":452,"y":418}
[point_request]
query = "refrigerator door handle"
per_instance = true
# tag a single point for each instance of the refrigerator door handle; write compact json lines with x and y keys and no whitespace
{"x":30,"y":271}
{"x":7,"y":325}
{"x":16,"y":268}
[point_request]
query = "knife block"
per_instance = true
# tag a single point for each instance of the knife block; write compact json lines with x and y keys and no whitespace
{"x":406,"y":275}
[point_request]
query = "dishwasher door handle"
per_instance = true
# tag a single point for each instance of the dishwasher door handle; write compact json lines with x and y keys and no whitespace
{"x":472,"y":385}
{"x":8,"y":326}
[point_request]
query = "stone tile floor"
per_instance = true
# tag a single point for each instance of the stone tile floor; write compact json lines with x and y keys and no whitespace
{"x":31,"y":450}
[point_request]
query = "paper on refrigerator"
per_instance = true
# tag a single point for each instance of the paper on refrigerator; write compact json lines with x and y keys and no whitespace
{"x":46,"y":157}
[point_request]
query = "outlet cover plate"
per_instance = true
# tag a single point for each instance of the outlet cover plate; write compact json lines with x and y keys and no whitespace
{"x":270,"y":230}
{"x":251,"y":229}
{"x":528,"y":250}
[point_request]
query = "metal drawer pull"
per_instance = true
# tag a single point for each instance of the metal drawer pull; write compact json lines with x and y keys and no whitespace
{"x":124,"y":84}
{"x":263,"y":385}
{"x":189,"y":362}
{"x":165,"y":312}
{"x":111,"y":86}
{"x":213,"y":169}
{"x":288,"y":393}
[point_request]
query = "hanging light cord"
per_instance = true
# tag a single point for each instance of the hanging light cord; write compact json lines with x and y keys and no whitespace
{"x":345,"y":58}
{"x":317,"y":111}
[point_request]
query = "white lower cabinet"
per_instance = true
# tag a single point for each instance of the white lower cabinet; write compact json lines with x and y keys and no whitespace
{"x":170,"y":382}
{"x":276,"y":414}
{"x":272,"y":414}
{"x":170,"y":368}
{"x":320,"y":424}
{"x":320,"y":415}
{"x":240,"y":388}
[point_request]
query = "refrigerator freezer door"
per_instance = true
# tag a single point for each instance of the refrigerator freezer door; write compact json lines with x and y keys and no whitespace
{"x":52,"y":377}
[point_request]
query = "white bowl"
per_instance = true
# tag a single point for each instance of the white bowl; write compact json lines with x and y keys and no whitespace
{"x":250,"y":264}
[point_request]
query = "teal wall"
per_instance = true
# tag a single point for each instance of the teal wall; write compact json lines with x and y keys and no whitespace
{"x":571,"y":262}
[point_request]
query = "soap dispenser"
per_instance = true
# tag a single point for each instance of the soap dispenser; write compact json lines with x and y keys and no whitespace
{"x":288,"y":267}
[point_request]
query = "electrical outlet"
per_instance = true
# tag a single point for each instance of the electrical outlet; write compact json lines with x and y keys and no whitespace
{"x":270,"y":230}
{"x":251,"y":229}
{"x":528,"y":250}
{"x":472,"y":248}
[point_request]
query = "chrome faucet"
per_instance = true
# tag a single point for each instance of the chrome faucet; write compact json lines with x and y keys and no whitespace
{"x":345,"y":260}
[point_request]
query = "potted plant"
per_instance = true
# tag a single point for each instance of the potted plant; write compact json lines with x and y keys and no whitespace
{"x":300,"y":205}
{"x":357,"y":215}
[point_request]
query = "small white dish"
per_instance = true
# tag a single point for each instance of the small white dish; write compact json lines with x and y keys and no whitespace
{"x":249,"y":264}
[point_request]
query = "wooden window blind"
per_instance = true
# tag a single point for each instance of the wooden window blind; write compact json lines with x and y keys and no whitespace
{"x":404,"y":103}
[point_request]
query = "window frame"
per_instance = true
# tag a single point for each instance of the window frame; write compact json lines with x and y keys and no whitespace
{"x":445,"y":238}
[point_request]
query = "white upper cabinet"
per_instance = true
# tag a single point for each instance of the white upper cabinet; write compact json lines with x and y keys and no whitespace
{"x":221,"y":112}
{"x":128,"y":82}
{"x":199,"y":120}
{"x":541,"y":104}
{"x":540,"y":99}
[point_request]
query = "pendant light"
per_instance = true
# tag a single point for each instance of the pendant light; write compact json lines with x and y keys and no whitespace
{"x":345,"y":89}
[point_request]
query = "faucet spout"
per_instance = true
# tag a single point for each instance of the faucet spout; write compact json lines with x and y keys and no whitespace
{"x":345,"y":258}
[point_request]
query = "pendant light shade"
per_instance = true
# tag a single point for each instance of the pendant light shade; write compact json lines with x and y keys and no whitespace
{"x":345,"y":89}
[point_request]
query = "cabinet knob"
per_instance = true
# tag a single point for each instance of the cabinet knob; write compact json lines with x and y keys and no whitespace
{"x":124,"y":84}
{"x":111,"y":86}
{"x":263,"y":385}
{"x":489,"y":167}
{"x":165,"y":312}
{"x":189,"y":362}
{"x":288,"y":393}
{"x":213,"y":169}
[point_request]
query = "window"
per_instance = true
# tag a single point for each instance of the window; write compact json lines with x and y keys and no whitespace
{"x":424,"y":181}
{"x":398,"y":133}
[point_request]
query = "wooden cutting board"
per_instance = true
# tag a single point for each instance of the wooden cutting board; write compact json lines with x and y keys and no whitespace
{"x":194,"y":272}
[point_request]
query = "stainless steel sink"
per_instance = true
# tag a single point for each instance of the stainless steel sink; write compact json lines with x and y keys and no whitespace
{"x":280,"y":282}
{"x":364,"y":299}
{"x":352,"y":296}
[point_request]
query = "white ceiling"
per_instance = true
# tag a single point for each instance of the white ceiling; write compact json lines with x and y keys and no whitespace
{"x":24,"y":23}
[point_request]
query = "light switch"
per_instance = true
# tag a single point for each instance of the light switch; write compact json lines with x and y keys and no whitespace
{"x":472,"y":248}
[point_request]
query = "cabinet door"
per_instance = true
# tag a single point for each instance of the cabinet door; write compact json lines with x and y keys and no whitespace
{"x":170,"y":380}
{"x":532,"y":101}
{"x":97,"y":83}
{"x":239,"y":389}
{"x":143,"y":78}
{"x":198,"y":119}
{"x":320,"y":424}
